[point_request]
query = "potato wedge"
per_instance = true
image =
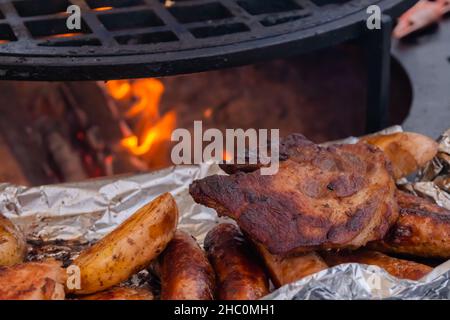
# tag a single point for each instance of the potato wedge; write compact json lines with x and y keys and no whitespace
{"x":407,"y":151}
{"x":129,"y":248}
{"x":13,"y":246}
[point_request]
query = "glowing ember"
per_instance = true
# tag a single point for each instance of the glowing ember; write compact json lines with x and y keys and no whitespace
{"x":227,"y":156}
{"x":208,"y":113}
{"x":143,"y":98}
{"x":103,"y":8}
{"x":65,"y":35}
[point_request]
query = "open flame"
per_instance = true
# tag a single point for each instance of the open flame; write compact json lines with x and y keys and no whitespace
{"x":143,"y":97}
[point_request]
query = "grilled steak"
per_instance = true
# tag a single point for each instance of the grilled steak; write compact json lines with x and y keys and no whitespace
{"x":322,"y":197}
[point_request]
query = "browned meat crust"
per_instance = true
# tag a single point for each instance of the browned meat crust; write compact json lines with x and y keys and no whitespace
{"x":284,"y":270}
{"x":422,"y":229}
{"x":399,"y":268}
{"x":121,"y":293}
{"x":32,"y":281}
{"x":185,"y":271}
{"x":321,"y":197}
{"x":239,"y":274}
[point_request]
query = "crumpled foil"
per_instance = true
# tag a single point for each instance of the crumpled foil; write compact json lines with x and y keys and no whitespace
{"x":86,"y":211}
{"x":434,"y":180}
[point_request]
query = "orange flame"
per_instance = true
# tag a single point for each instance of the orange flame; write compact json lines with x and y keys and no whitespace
{"x":157,"y":133}
{"x":119,"y":89}
{"x":145,"y":97}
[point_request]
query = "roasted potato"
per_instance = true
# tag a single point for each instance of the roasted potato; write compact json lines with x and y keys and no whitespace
{"x":129,"y":248}
{"x":12,"y":243}
{"x":407,"y":151}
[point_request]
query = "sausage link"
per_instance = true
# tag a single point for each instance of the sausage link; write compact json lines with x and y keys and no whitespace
{"x":185,"y":270}
{"x":239,"y":273}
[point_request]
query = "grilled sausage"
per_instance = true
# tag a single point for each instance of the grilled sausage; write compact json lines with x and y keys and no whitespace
{"x":239,"y":274}
{"x":284,"y":270}
{"x":185,"y":270}
{"x":399,"y":268}
{"x":12,"y":243}
{"x":422,"y":229}
{"x":129,"y":248}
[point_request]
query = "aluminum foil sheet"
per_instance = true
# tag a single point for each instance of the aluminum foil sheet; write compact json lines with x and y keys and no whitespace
{"x":86,"y":211}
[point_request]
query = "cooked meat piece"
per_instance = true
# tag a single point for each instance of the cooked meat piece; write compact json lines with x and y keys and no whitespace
{"x":185,"y":270}
{"x":13,"y":246}
{"x":407,"y":151}
{"x":121,"y":293}
{"x":322,"y":197}
{"x":239,"y":273}
{"x":284,"y":270}
{"x":399,"y":268}
{"x":422,"y":229}
{"x":33,"y":281}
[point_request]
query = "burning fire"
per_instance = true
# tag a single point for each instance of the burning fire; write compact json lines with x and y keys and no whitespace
{"x":144,"y":97}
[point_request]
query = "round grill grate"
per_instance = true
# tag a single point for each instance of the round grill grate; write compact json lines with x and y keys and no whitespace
{"x":137,"y":38}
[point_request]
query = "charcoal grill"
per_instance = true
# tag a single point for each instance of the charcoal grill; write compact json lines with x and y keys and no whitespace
{"x":142,"y":38}
{"x":149,"y":38}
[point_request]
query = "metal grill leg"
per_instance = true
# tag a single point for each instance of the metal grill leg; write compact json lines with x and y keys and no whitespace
{"x":379,"y":60}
